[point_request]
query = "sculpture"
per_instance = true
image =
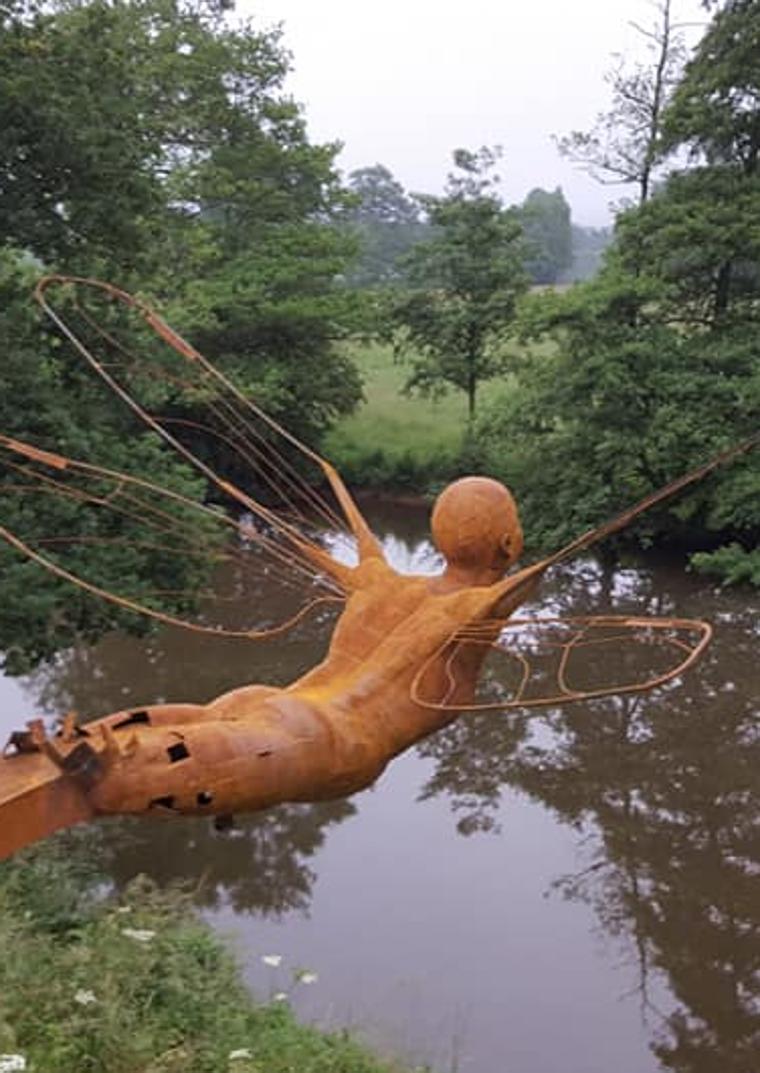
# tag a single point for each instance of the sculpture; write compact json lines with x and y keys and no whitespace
{"x":404,"y":659}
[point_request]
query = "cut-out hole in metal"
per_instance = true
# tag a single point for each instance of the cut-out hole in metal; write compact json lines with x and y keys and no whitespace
{"x":132,"y":719}
{"x":204,"y":797}
{"x":179,"y":751}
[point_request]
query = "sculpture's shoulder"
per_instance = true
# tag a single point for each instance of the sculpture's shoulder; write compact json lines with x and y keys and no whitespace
{"x":373,"y":571}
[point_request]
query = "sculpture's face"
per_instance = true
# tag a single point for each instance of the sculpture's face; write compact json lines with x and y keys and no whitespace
{"x":476,"y":526}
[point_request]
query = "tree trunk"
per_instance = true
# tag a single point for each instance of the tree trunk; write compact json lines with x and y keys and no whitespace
{"x":472,"y":387}
{"x":722,"y":289}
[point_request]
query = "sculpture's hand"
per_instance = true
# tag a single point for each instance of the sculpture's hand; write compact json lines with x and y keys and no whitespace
{"x":369,"y":546}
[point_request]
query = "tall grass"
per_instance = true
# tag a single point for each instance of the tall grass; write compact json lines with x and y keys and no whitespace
{"x":91,"y":985}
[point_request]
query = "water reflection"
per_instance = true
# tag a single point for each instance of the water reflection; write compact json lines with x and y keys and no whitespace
{"x":662,"y":789}
{"x":261,"y":865}
{"x":670,"y":785}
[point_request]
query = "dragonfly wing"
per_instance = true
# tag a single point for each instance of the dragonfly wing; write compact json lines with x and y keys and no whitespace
{"x":262,"y":518}
{"x":108,"y":532}
{"x":546,"y":662}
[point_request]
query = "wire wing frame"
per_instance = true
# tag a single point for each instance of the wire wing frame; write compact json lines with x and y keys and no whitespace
{"x":266,"y":503}
{"x":544,"y":652}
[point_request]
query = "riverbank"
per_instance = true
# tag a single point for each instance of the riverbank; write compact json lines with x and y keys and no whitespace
{"x":138,"y":984}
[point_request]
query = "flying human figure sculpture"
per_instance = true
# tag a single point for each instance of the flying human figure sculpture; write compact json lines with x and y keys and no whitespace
{"x":405,"y":658}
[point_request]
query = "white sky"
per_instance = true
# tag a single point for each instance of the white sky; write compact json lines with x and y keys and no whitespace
{"x":404,"y":82}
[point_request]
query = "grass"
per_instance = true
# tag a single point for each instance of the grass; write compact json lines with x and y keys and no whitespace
{"x":91,"y":985}
{"x":405,"y":442}
{"x":397,"y":441}
{"x":393,"y":422}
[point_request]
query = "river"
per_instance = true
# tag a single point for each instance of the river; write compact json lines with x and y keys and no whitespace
{"x":578,"y":892}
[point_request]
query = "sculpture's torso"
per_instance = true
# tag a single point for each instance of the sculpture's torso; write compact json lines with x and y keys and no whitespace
{"x":327,"y":734}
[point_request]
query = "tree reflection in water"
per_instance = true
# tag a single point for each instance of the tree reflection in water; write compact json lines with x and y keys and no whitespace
{"x":670,"y":784}
{"x":261,"y":865}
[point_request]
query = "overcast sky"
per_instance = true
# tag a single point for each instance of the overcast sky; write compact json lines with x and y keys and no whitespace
{"x":403,"y":82}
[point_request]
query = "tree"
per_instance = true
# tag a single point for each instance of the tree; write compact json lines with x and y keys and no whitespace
{"x":387,"y":222}
{"x":699,"y":237}
{"x":150,"y":142}
{"x":545,"y":219}
{"x":465,"y":282}
{"x":715,"y":114}
{"x":715,"y":111}
{"x":656,"y":362}
{"x":155,"y":146}
{"x":625,"y":400}
{"x":589,"y":245}
{"x":624,"y":144}
{"x":45,"y":398}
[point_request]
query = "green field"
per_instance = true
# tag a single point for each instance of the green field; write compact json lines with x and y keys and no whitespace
{"x":396,"y":424}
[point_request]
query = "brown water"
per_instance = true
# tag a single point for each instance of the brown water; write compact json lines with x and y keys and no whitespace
{"x":576,"y":893}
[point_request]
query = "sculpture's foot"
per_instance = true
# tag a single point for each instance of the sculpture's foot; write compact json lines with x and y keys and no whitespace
{"x":43,"y":784}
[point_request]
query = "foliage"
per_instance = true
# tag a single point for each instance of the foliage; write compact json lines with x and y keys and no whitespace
{"x":545,"y":220}
{"x":137,"y":987}
{"x":151,"y":143}
{"x":387,"y":222}
{"x":192,"y":179}
{"x":271,"y":317}
{"x":47,"y":399}
{"x":588,"y":247}
{"x":714,"y":111}
{"x":465,"y":283}
{"x":657,"y":363}
{"x":399,"y":472}
{"x":627,"y":402}
{"x":733,"y":564}
{"x":700,"y":237}
{"x":102,"y":105}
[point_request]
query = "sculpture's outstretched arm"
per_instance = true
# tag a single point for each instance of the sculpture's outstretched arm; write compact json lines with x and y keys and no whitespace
{"x":369,"y":545}
{"x":515,"y":589}
{"x":323,"y":561}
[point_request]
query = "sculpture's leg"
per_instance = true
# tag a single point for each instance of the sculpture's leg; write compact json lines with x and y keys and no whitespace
{"x":45,"y":781}
{"x":162,"y":715}
{"x":151,"y":715}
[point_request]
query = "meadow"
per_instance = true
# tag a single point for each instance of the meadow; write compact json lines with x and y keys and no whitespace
{"x":397,"y":440}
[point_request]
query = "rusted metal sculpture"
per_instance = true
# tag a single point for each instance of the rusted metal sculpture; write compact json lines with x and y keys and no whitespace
{"x":405,"y":657}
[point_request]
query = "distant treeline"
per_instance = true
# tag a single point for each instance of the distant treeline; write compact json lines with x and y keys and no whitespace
{"x":388,"y":222}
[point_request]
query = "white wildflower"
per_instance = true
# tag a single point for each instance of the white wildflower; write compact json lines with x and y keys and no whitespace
{"x":12,"y":1063}
{"x":124,"y":909}
{"x":240,"y":1054}
{"x":85,"y":997}
{"x":306,"y":976}
{"x":273,"y":960}
{"x":140,"y":935}
{"x":280,"y":996}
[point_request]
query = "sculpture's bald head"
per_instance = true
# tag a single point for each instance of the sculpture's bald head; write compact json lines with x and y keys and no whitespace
{"x":476,"y":526}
